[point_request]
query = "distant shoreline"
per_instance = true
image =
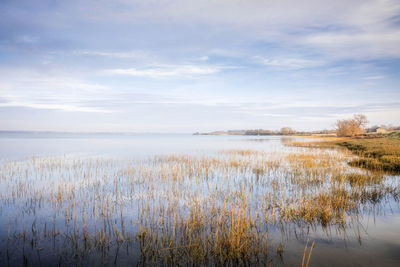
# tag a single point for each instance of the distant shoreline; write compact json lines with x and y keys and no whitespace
{"x":268,"y":133}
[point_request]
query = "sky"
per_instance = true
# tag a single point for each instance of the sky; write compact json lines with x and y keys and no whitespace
{"x":185,"y":66}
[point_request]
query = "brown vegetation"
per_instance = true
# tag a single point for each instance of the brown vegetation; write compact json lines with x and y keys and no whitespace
{"x":184,"y":209}
{"x":351,"y":127}
{"x":378,"y":153}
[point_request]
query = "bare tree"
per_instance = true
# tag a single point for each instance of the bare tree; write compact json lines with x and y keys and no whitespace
{"x":287,"y":130}
{"x":351,"y":127}
{"x":361,"y":121}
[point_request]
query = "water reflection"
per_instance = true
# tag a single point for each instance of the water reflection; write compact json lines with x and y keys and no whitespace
{"x":287,"y":140}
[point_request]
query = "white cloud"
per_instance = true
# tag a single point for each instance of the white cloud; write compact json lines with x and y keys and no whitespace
{"x":31,"y":81}
{"x":378,"y":77}
{"x":371,"y":44}
{"x":278,"y":115}
{"x":294,"y":63}
{"x":62,"y":107}
{"x":341,"y":28}
{"x":122,"y":55}
{"x":204,"y":58}
{"x":168,"y":71}
{"x":56,"y":91}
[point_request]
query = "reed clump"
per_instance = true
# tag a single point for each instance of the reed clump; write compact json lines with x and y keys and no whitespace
{"x":360,"y":179}
{"x":325,"y":208}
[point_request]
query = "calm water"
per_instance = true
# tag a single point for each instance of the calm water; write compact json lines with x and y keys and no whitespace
{"x":23,"y":145}
{"x":372,"y":239}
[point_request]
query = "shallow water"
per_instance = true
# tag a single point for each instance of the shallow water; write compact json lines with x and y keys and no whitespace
{"x":53,"y":187}
{"x":23,"y":145}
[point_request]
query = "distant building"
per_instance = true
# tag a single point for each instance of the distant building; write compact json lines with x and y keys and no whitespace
{"x":381,"y":130}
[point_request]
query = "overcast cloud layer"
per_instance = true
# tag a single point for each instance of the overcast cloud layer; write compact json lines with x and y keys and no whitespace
{"x":185,"y":66}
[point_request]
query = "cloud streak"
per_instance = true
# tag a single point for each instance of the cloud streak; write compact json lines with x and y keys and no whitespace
{"x":120,"y":55}
{"x":167,"y":71}
{"x":291,"y":63}
{"x":62,"y":107}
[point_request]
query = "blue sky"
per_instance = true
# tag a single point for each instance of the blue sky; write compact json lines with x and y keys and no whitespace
{"x":185,"y":66}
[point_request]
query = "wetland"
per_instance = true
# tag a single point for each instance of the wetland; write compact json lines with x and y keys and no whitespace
{"x":163,"y":200}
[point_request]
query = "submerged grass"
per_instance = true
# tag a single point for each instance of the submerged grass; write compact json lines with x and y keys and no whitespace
{"x":181,"y":209}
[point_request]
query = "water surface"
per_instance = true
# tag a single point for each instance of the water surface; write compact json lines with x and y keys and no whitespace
{"x":53,"y":187}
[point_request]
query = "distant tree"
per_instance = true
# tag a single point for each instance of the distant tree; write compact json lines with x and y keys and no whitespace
{"x":351,"y":127}
{"x":287,"y":130}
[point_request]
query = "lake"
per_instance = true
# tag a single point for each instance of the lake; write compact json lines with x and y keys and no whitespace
{"x":179,"y":199}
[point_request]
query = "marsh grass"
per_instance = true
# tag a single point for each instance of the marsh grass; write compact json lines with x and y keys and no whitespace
{"x":180,"y":209}
{"x":379,"y":154}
